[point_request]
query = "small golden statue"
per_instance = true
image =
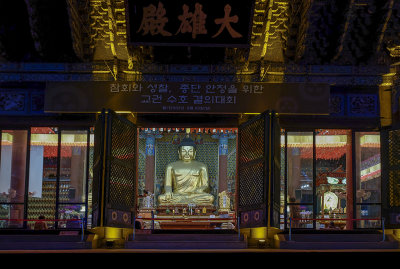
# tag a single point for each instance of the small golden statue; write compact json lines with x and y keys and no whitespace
{"x":186,"y":180}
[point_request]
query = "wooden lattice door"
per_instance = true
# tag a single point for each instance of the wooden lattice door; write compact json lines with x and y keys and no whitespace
{"x":114,"y":186}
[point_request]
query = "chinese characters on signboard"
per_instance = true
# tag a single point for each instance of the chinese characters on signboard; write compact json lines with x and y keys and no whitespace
{"x":189,"y":97}
{"x":189,"y":22}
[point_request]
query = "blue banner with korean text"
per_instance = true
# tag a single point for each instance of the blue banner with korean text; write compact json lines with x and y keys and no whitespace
{"x":188,"y":97}
{"x":189,"y":22}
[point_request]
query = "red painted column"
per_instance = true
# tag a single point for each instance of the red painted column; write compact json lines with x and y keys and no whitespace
{"x":223,"y":172}
{"x":223,"y":162}
{"x":349,"y":184}
{"x":149,"y":174}
{"x":223,"y":138}
{"x":150,"y":163}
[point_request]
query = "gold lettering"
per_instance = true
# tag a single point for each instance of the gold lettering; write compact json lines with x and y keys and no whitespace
{"x":154,"y":20}
{"x":185,"y":26}
{"x":226,"y":23}
{"x":192,"y":22}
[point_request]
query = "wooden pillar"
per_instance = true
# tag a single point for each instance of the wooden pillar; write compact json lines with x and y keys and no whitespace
{"x":78,"y":165}
{"x":349,"y":184}
{"x":358,"y":168}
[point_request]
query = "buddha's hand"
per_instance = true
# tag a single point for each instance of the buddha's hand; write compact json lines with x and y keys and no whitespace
{"x":168,"y":195}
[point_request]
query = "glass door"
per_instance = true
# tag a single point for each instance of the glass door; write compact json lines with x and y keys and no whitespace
{"x":332,"y":179}
{"x":300,"y":174}
{"x":368,"y":179}
{"x":12,"y":177}
{"x":333,"y":160}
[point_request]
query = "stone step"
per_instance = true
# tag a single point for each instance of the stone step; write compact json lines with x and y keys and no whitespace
{"x":185,"y":245}
{"x":40,"y":238}
{"x":42,"y":241}
{"x":29,"y":245}
{"x":337,"y":241}
{"x":188,"y":237}
{"x":335,"y":237}
{"x":338,"y":245}
{"x":187,"y":241}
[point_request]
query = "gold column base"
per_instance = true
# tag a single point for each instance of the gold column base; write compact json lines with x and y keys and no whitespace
{"x":254,"y":235}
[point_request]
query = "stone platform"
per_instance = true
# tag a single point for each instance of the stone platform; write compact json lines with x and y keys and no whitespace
{"x":191,"y":240}
{"x":337,"y":240}
{"x":43,"y":240}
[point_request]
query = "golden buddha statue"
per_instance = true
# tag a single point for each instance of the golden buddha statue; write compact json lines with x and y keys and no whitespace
{"x":186,"y":180}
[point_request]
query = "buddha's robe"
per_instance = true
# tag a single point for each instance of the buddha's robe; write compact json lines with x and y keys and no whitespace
{"x":186,"y":182}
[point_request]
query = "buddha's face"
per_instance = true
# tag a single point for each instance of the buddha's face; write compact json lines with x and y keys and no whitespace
{"x":187,"y":153}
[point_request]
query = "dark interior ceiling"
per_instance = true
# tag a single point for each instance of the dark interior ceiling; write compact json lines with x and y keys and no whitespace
{"x":35,"y":33}
{"x":39,"y":31}
{"x":16,"y":42}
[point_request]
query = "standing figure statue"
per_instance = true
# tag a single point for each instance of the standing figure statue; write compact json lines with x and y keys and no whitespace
{"x":186,"y":180}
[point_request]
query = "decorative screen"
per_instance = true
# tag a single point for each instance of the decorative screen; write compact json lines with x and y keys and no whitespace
{"x":253,"y":171}
{"x":121,"y":171}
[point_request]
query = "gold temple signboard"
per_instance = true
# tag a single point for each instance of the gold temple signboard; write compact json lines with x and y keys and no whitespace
{"x":187,"y":97}
{"x":188,"y":22}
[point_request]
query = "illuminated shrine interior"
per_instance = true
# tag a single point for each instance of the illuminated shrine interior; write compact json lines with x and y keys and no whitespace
{"x":332,"y":157}
{"x":162,"y":144}
{"x":318,"y":168}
